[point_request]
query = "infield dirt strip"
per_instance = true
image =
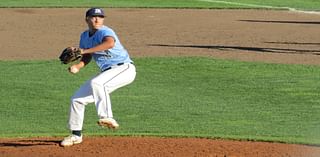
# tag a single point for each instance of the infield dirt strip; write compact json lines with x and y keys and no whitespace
{"x":248,"y":35}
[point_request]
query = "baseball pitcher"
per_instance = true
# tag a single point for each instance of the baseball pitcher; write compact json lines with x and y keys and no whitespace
{"x":101,"y":44}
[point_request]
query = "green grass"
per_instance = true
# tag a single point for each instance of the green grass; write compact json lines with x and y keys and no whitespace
{"x":183,"y":97}
{"x":298,"y":4}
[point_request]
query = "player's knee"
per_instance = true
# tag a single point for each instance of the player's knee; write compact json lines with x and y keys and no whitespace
{"x":76,"y":101}
{"x":98,"y":86}
{"x":95,"y":83}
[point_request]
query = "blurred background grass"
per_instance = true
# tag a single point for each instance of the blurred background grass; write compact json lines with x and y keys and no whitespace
{"x":235,"y":4}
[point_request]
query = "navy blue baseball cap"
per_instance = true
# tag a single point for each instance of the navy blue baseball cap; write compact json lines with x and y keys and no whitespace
{"x":95,"y":12}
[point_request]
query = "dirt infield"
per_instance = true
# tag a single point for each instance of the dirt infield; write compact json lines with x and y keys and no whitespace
{"x":152,"y":147}
{"x":247,"y":35}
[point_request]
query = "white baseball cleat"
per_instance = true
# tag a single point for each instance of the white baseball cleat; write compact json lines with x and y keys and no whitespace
{"x":71,"y":140}
{"x":108,"y":122}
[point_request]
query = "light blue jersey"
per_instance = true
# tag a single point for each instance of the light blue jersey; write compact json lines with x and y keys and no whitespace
{"x":105,"y":59}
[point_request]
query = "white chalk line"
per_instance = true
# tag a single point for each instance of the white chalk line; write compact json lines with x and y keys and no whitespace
{"x":262,"y":6}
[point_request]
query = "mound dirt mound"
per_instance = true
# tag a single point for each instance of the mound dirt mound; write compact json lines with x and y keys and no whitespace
{"x":248,"y":35}
{"x":152,"y":146}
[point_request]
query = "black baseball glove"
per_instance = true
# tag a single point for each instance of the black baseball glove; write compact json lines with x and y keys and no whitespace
{"x":70,"y":54}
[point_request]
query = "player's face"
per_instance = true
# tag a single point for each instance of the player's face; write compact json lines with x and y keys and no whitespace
{"x":95,"y":22}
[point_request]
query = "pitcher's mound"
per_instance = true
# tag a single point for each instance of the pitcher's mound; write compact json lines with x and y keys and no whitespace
{"x":152,"y":146}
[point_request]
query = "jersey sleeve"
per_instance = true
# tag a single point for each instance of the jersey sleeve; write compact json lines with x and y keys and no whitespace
{"x":107,"y":33}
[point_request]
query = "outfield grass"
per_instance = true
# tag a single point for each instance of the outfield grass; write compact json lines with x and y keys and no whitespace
{"x":193,"y":97}
{"x":298,"y":4}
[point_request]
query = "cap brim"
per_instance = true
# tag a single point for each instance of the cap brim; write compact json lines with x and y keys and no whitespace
{"x":97,"y":15}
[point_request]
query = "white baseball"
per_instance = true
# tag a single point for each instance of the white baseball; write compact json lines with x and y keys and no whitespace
{"x":74,"y":70}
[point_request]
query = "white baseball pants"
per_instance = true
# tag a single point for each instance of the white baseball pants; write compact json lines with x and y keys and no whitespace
{"x":98,"y":90}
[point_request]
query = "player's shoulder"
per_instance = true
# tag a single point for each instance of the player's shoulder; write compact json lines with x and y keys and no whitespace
{"x":106,"y":29}
{"x":84,"y":33}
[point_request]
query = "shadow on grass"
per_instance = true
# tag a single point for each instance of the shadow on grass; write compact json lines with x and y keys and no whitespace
{"x":245,"y":48}
{"x":284,"y":22}
{"x":293,"y":43}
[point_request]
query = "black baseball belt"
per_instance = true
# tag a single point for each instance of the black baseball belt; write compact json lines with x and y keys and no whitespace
{"x":116,"y":65}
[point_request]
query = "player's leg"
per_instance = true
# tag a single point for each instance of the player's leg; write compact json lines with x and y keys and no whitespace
{"x":77,"y":108}
{"x":104,"y":84}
